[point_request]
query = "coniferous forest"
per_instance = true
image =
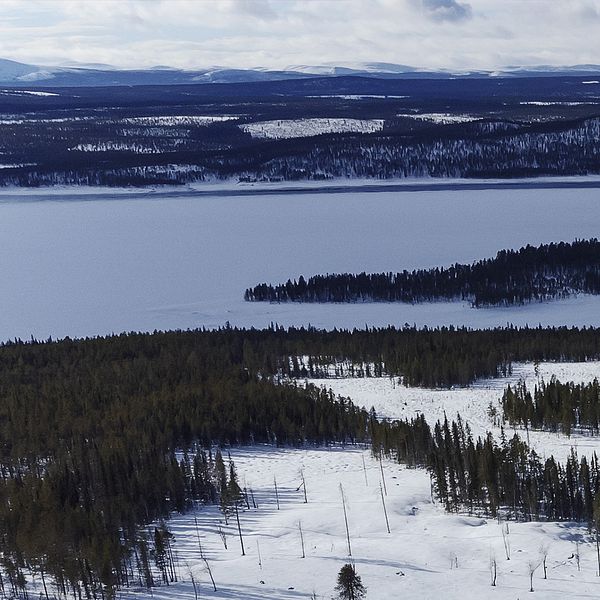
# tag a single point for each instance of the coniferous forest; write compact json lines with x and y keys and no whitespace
{"x":512,"y":277}
{"x":103,"y":439}
{"x":554,"y":406}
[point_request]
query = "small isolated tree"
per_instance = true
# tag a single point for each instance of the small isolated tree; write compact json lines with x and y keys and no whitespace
{"x":349,"y":585}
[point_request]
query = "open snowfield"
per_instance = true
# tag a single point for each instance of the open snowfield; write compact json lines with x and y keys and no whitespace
{"x":393,"y":400}
{"x":417,"y":561}
{"x":429,"y":553}
{"x":99,"y":264}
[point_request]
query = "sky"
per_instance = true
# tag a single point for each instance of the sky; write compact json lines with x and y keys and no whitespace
{"x":451,"y":34}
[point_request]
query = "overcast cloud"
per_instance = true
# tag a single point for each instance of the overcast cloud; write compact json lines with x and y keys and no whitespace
{"x":461,"y":35}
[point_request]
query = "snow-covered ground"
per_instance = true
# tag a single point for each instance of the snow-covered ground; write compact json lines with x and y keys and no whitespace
{"x":393,"y":400}
{"x":428,"y":554}
{"x":293,"y":128}
{"x":440,"y":118}
{"x":102,"y":264}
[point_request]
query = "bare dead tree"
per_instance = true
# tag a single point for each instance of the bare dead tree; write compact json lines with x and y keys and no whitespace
{"x":577,"y":558}
{"x":304,"y":486}
{"x":382,"y":473}
{"x":505,"y":532}
{"x":346,"y":520}
{"x":259,"y":557}
{"x":544,"y":558}
{"x":532,"y":566}
{"x":301,"y":538}
{"x":253,"y":499}
{"x":365,"y":469}
{"x":192,"y":579}
{"x":237,"y":518}
{"x":493,"y":569}
{"x":198,"y":537}
{"x":387,"y":523}
{"x":223,"y":536}
{"x":276,"y":491}
{"x":212,"y":579}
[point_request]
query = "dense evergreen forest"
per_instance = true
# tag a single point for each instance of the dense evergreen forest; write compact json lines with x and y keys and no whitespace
{"x":102,"y":437}
{"x":554,"y":406}
{"x":486,"y":476}
{"x":531,"y":274}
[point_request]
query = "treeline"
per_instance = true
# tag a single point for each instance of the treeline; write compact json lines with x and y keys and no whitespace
{"x":485,"y":476}
{"x":100,"y":438}
{"x":545,"y":272}
{"x":554,"y":406}
{"x":439,"y":357}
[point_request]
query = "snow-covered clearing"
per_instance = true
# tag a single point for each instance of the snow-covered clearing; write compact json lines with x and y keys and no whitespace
{"x":439,"y":118}
{"x":173,"y":120}
{"x":393,"y":400}
{"x":294,"y":128}
{"x":428,"y":554}
{"x":26,"y":93}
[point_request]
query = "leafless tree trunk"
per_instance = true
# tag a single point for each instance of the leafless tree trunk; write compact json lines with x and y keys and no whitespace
{"x":210,"y":575}
{"x":382,"y":474}
{"x":237,"y":517}
{"x":493,"y":570}
{"x":544,"y":556}
{"x":364,"y":469}
{"x":276,"y":492}
{"x":532,"y":568}
{"x":505,"y":532}
{"x":387,"y":523}
{"x":223,"y":536}
{"x":301,"y":538}
{"x":346,"y":520}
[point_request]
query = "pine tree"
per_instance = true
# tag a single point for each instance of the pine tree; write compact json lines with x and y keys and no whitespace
{"x":349,"y":584}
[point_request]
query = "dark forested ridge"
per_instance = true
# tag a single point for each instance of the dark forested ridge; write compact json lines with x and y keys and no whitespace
{"x":101,"y":437}
{"x":554,"y":406}
{"x":368,"y":128}
{"x":531,"y":274}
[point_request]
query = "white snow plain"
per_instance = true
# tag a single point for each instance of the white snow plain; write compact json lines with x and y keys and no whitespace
{"x":101,"y":263}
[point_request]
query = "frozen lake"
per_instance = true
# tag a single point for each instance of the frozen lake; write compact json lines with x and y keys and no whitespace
{"x":108,"y":264}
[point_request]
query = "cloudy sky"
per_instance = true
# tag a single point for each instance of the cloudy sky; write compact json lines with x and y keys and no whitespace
{"x":454,"y":34}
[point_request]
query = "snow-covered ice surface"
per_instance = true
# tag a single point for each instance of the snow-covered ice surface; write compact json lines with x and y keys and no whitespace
{"x":93,"y":265}
{"x":393,"y":400}
{"x":412,"y":563}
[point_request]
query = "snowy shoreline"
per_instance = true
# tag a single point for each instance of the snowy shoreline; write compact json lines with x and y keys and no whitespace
{"x":334,"y":186}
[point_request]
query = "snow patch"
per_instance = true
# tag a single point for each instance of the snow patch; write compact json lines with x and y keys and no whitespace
{"x":296,"y":128}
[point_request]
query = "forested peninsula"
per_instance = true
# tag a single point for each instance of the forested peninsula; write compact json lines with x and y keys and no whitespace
{"x":512,"y":277}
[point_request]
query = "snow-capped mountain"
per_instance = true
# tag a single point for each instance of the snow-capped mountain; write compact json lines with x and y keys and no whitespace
{"x":20,"y":74}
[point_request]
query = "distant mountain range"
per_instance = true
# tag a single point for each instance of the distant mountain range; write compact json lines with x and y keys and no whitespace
{"x":16,"y":74}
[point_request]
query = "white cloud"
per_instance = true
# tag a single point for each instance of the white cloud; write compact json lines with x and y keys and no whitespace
{"x":456,"y":34}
